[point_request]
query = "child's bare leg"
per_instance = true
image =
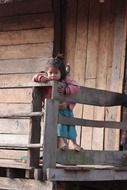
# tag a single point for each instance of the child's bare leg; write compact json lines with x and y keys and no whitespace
{"x":62,"y":143}
{"x":76,"y":146}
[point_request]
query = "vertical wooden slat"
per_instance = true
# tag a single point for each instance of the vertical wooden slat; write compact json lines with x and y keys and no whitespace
{"x":50,"y":134}
{"x":70,"y":32}
{"x":88,"y":112}
{"x":91,"y":66}
{"x":103,"y":49}
{"x":80,"y":54}
{"x":117,"y":71}
{"x":35,"y":129}
{"x":57,"y":27}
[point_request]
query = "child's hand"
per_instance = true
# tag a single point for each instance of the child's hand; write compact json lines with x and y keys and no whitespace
{"x":63,"y":105}
{"x":61,"y":90}
{"x":40,"y":78}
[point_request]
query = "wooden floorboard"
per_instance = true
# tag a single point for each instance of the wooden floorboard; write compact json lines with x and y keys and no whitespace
{"x":87,"y":173}
{"x":24,"y":184}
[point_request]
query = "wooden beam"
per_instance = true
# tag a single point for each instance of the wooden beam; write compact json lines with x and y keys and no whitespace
{"x":95,"y":174}
{"x":12,"y":146}
{"x":50,"y":134}
{"x":35,"y":128}
{"x":91,"y":157}
{"x":26,"y":85}
{"x":92,"y":123}
{"x":24,"y":184}
{"x":21,"y":115}
{"x":92,"y":96}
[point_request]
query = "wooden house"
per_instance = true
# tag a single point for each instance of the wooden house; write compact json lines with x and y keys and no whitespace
{"x":91,"y":34}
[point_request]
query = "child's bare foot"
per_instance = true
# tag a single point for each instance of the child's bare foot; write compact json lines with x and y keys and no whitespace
{"x":77,"y":147}
{"x":63,"y":145}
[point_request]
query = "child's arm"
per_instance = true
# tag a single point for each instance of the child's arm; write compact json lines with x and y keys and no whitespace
{"x":70,"y":88}
{"x":40,"y":77}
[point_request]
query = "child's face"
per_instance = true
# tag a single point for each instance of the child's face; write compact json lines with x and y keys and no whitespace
{"x":53,"y":73}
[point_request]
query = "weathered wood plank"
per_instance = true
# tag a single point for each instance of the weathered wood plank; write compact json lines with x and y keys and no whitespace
{"x":14,"y":108}
{"x":86,"y":175}
{"x":12,"y":154}
{"x":92,"y":46}
{"x":70,"y":32}
{"x":88,"y":112}
{"x":24,"y":184}
{"x":80,"y":51}
{"x":117,"y":71}
{"x":26,"y":51}
{"x":15,"y":95}
{"x":13,"y":139}
{"x":93,"y":24}
{"x":23,"y":22}
{"x":92,"y":157}
{"x":26,"y":36}
{"x":50,"y":144}
{"x":13,"y":164}
{"x":92,"y":96}
{"x":23,"y":7}
{"x":92,"y":123}
{"x":14,"y":126}
{"x":35,"y":128}
{"x":23,"y":65}
{"x":19,"y":146}
{"x":20,"y":115}
{"x":25,"y":86}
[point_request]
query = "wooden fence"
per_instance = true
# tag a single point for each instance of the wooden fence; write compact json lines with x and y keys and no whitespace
{"x":88,"y":96}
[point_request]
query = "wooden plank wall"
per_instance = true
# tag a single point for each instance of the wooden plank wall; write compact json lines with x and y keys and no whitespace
{"x":26,"y":42}
{"x":95,"y":37}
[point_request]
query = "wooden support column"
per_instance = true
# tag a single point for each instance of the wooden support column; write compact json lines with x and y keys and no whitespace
{"x":35,"y":130}
{"x":50,"y":134}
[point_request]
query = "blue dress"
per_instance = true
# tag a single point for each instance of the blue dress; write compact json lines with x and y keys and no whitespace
{"x":66,"y":131}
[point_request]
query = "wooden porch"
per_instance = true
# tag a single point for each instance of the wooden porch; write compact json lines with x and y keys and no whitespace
{"x":86,"y":165}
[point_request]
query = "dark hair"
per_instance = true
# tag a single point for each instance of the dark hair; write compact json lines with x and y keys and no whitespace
{"x":58,"y":62}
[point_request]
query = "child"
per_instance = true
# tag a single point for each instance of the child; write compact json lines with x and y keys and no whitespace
{"x":56,"y":71}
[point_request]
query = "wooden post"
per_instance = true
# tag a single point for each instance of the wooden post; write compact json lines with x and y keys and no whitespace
{"x":35,"y":130}
{"x":50,"y":134}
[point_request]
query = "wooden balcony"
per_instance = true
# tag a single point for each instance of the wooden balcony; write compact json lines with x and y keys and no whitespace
{"x":22,"y":135}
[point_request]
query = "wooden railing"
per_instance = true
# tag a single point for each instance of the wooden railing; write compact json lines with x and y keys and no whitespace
{"x":52,"y":155}
{"x":88,"y":96}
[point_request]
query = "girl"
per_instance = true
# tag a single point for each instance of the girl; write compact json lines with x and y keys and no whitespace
{"x":56,"y":71}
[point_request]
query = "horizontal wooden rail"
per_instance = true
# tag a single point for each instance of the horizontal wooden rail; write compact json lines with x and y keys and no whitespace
{"x":4,"y":146}
{"x":21,"y":115}
{"x":92,"y":157}
{"x":27,"y":85}
{"x":92,"y":123}
{"x":92,"y":96}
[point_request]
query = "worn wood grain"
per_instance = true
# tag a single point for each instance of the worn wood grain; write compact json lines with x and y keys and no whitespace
{"x":22,"y":66}
{"x":92,"y":96}
{"x":24,"y":22}
{"x":14,"y":126}
{"x":15,"y":95}
{"x":117,"y":72}
{"x":26,"y":51}
{"x":15,"y":108}
{"x":23,"y":7}
{"x":12,"y":154}
{"x":24,"y":184}
{"x":92,"y":157}
{"x":26,"y":36}
{"x":92,"y":174}
{"x":13,"y":139}
{"x":93,"y":123}
{"x":35,"y":128}
{"x":50,"y":144}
